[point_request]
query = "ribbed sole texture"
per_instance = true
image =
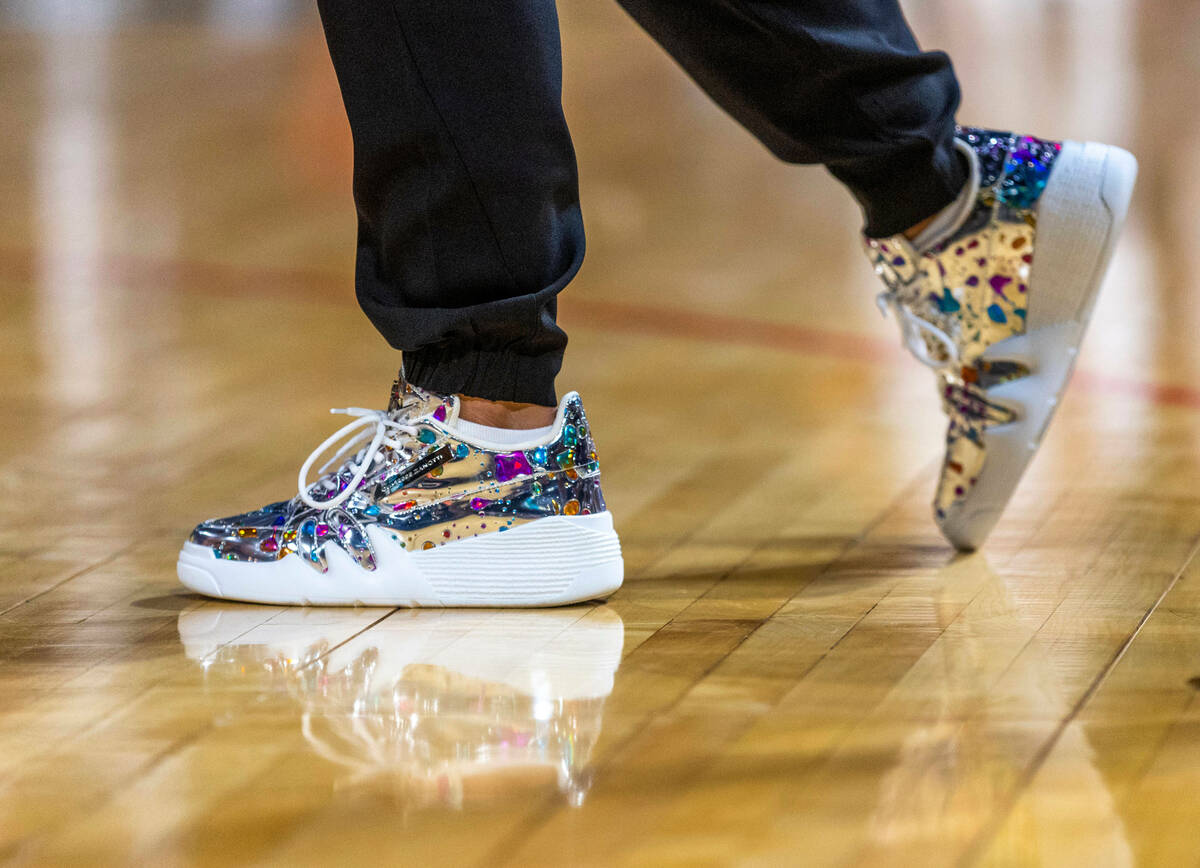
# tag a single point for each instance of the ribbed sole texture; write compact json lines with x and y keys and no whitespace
{"x":549,"y":562}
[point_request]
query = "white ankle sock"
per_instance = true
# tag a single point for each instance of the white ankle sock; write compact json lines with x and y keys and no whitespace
{"x":947,"y":221}
{"x":501,"y":436}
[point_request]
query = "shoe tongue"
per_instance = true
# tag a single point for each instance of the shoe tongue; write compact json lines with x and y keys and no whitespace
{"x":421,"y":403}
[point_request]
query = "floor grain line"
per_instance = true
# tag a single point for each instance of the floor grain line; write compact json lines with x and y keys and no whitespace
{"x":84,"y":571}
{"x":986,"y":835}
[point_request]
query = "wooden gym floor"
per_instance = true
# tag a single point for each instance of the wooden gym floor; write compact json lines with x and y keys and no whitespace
{"x":807,"y":674}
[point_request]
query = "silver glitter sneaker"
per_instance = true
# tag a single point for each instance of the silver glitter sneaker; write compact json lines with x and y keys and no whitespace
{"x":998,"y":309}
{"x":422,"y":515}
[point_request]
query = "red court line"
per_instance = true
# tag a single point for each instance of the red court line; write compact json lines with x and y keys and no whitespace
{"x":231,"y":280}
{"x":726,"y":328}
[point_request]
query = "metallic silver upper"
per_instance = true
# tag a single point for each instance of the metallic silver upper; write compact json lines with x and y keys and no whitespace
{"x":432,"y":487}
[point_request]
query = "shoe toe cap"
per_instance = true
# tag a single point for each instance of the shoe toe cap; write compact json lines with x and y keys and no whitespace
{"x":210,"y":533}
{"x":238,"y":542}
{"x":242,"y":535}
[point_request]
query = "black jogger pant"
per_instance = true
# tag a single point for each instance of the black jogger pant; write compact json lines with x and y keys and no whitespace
{"x":464,"y":173}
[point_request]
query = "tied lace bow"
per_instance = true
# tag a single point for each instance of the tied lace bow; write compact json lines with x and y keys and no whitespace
{"x":386,"y":426}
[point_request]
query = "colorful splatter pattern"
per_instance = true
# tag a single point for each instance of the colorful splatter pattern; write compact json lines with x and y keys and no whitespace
{"x":475,"y":491}
{"x":974,"y":287}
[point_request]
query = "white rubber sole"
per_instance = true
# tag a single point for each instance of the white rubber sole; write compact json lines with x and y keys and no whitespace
{"x":1080,"y":215}
{"x":549,"y":562}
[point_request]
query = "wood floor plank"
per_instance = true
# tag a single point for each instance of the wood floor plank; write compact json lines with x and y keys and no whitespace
{"x":920,"y":674}
{"x":798,"y":669}
{"x":128,"y":726}
{"x":1117,"y":786}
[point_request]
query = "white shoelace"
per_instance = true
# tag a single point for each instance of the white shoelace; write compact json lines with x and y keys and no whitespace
{"x":913,"y":331}
{"x":363,"y":460}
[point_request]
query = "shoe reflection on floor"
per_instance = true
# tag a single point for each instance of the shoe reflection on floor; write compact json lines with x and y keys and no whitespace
{"x":444,"y":707}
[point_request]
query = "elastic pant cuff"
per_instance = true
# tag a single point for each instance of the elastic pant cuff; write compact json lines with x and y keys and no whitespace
{"x":492,"y":375}
{"x":909,"y":189}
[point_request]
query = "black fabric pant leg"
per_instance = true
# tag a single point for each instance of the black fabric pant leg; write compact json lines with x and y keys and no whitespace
{"x":465,"y":178}
{"x":465,"y":184}
{"x":838,"y":82}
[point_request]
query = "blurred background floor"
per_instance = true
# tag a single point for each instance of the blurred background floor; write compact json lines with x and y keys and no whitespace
{"x":798,"y":670}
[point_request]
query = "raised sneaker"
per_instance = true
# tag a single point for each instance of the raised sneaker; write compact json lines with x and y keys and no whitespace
{"x":999,"y":304}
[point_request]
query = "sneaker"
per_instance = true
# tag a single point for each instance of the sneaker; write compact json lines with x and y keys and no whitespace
{"x":423,"y":515}
{"x":999,"y":307}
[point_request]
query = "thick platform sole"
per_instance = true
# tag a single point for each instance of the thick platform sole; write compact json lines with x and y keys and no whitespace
{"x":549,"y":562}
{"x":1080,"y":215}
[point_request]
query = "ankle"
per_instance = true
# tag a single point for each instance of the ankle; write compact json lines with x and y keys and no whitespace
{"x":504,"y":414}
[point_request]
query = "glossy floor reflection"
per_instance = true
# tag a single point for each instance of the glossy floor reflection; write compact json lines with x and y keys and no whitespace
{"x":798,"y":670}
{"x":439,"y":709}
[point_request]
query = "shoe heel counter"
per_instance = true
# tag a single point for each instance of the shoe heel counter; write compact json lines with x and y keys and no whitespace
{"x":578,"y":477}
{"x":1014,"y":169}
